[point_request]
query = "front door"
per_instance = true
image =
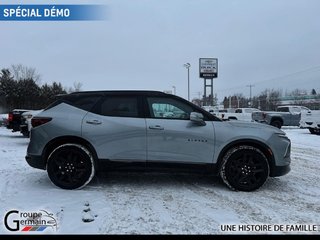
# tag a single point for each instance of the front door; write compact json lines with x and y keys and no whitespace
{"x":172,"y":137}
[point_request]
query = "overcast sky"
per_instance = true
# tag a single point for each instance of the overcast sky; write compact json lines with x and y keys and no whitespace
{"x":144,"y":43}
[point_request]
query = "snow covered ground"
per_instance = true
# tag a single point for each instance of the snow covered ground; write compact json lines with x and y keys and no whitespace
{"x":160,"y":203}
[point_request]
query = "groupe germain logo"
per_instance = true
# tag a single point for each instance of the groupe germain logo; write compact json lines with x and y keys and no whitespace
{"x":27,"y":221}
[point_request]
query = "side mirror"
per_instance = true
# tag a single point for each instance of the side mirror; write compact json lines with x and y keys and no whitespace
{"x":197,"y":118}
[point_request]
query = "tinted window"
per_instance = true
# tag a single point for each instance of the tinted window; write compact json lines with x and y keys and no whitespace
{"x":168,"y":108}
{"x":119,"y":107}
{"x":85,"y":102}
{"x":283,"y":109}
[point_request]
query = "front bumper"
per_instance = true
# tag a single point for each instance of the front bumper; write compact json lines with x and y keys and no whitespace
{"x":36,"y":161}
{"x":280,"y":171}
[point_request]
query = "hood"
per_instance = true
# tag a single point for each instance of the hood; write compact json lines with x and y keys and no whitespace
{"x":254,"y":125}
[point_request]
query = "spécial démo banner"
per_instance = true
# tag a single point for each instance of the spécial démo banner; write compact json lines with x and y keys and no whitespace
{"x":53,"y":12}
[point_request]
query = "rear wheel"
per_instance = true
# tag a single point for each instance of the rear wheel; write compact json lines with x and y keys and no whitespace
{"x":70,"y":166}
{"x":276,"y":123}
{"x":244,"y":168}
{"x":26,"y":133}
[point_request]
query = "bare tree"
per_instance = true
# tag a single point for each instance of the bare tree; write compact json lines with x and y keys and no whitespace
{"x":77,"y":86}
{"x":21,"y":72}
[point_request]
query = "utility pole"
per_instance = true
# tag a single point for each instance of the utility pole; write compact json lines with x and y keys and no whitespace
{"x":174,"y":90}
{"x":250,"y":86}
{"x":187,"y":66}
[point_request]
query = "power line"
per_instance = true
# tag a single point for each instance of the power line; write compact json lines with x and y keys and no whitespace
{"x":315,"y":68}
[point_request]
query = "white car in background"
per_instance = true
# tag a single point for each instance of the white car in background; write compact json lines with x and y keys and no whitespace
{"x":243,"y":114}
{"x":25,"y":126}
{"x":311,"y":120}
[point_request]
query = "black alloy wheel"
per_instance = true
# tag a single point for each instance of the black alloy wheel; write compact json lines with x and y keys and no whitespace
{"x":70,"y":166}
{"x":244,"y":168}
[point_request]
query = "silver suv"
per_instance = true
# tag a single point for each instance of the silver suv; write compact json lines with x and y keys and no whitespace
{"x":82,"y":131}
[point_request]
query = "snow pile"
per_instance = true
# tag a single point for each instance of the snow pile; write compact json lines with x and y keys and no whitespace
{"x":160,"y":203}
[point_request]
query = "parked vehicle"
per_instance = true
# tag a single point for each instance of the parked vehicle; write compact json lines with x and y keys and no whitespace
{"x":210,"y":109}
{"x":14,"y":119}
{"x":221,"y":112}
{"x":311,"y":120}
{"x":25,"y":126}
{"x":243,"y":114}
{"x":3,"y":119}
{"x":283,"y":116}
{"x":79,"y":133}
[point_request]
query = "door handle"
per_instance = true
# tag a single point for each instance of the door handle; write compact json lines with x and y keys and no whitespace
{"x":94,"y":122}
{"x":156,"y":127}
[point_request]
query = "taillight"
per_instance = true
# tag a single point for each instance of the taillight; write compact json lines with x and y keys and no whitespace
{"x":10,"y":117}
{"x":38,"y":121}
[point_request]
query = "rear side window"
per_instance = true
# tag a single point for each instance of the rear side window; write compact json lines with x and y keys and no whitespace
{"x":117,"y":106}
{"x":84,"y":102}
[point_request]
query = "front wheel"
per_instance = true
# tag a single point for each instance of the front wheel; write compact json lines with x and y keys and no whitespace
{"x":70,"y":166}
{"x":244,"y":168}
{"x":314,"y":131}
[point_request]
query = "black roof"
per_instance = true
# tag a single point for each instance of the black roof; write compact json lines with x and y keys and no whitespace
{"x":122,"y":92}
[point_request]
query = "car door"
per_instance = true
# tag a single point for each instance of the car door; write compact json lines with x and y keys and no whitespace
{"x":295,"y":116}
{"x":117,"y":129}
{"x":173,"y":137}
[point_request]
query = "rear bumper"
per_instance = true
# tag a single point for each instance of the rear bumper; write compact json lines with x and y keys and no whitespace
{"x":36,"y":161}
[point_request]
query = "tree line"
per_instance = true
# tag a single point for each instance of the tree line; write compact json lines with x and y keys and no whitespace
{"x":20,"y":88}
{"x":269,"y":99}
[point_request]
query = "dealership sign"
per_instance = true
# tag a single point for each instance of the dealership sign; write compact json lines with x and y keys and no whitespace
{"x":29,"y":221}
{"x":208,"y":68}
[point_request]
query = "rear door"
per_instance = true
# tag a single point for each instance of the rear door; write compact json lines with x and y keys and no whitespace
{"x":117,"y":129}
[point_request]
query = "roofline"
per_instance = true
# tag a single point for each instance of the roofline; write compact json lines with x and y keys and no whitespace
{"x":120,"y":91}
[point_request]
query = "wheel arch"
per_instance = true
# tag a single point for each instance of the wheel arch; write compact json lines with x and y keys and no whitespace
{"x":267,"y":151}
{"x":276,"y":119}
{"x":232,"y":118}
{"x":54,"y":143}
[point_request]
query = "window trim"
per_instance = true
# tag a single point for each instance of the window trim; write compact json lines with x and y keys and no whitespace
{"x":207,"y":116}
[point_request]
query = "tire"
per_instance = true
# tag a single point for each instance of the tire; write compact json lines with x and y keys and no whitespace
{"x":276,"y":123}
{"x":26,"y":134}
{"x":244,"y":168}
{"x":314,"y":131}
{"x":70,"y":166}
